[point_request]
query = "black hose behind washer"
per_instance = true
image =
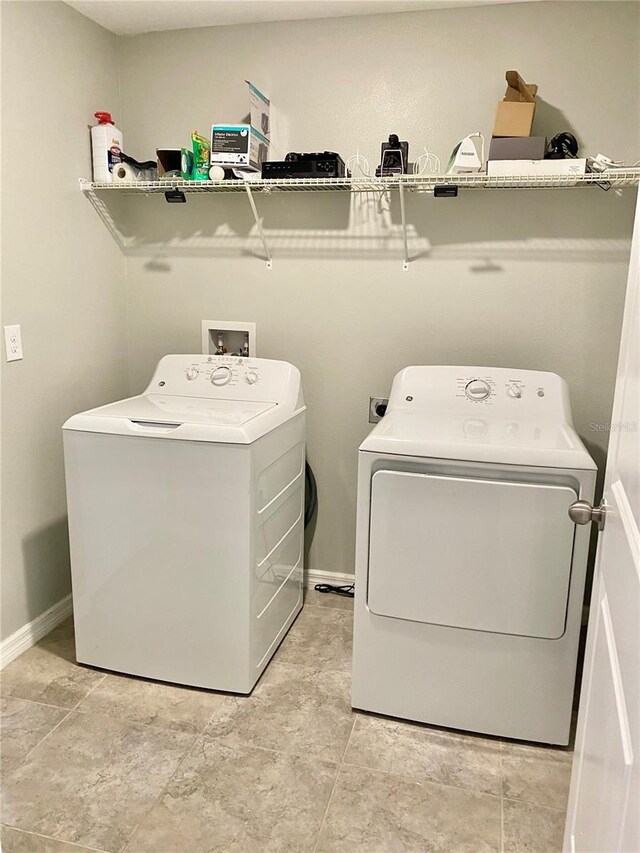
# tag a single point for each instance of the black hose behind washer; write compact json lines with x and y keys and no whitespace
{"x":310,"y":494}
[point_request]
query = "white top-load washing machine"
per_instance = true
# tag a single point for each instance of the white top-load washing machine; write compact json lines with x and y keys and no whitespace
{"x":186,"y":521}
{"x":469,"y":573}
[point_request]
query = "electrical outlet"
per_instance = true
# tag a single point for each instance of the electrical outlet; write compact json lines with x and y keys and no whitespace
{"x":13,"y":343}
{"x":377,"y":408}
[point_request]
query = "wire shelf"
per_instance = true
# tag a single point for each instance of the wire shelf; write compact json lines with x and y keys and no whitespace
{"x":402,"y":184}
{"x":409,"y":183}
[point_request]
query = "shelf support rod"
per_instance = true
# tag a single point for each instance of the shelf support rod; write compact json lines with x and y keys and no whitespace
{"x":252,"y":202}
{"x":103,"y":212}
{"x":405,"y":264}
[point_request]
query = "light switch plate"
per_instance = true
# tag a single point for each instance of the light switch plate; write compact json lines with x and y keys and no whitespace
{"x":13,"y":343}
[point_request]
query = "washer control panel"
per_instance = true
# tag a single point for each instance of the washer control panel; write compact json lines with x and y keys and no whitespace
{"x":226,"y":377}
{"x":220,"y":371}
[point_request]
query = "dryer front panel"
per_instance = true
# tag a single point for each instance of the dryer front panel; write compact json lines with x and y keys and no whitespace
{"x":482,"y":554}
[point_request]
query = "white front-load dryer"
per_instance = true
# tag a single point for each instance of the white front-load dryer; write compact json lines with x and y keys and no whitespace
{"x":186,"y":524}
{"x":469,"y":573}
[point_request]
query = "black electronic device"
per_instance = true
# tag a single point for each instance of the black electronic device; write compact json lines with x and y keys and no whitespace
{"x":563,"y":146}
{"x":326,"y":164}
{"x":394,"y":157}
{"x":445,"y":191}
{"x":175,"y":197}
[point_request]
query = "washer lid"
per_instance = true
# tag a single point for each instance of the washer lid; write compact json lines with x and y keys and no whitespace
{"x":167,"y":408}
{"x":445,"y":435}
{"x":186,"y":418}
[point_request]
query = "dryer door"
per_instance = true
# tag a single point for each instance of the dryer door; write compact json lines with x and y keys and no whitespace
{"x":488,"y":555}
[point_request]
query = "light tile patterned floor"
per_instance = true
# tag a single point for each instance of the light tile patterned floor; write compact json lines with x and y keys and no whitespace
{"x":96,"y":761}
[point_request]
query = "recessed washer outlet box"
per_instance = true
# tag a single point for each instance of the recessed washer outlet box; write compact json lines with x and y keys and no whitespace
{"x":233,"y":333}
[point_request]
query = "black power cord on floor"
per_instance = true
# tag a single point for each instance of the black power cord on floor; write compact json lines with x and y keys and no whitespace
{"x":347,"y":589}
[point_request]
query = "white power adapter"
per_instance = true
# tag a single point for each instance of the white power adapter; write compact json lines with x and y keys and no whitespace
{"x":601,"y":163}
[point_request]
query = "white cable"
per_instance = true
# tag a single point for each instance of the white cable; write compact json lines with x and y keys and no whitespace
{"x":361,"y":163}
{"x":427,"y":162}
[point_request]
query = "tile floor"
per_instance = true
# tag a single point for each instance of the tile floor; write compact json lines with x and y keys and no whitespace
{"x":96,"y":761}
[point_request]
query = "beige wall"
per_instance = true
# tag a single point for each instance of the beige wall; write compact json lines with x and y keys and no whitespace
{"x":524,"y":279}
{"x":533,"y":280}
{"x":62,"y":280}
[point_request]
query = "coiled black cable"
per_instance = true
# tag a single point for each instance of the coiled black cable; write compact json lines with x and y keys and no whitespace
{"x":347,"y":589}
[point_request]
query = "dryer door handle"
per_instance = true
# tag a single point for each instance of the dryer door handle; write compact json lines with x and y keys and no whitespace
{"x":582,"y":512}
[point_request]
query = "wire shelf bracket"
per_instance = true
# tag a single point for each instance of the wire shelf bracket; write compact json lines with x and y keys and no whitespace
{"x":256,"y":216}
{"x":403,"y":216}
{"x":103,"y":212}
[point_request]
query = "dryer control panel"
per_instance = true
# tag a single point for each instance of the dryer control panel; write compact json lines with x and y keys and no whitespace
{"x":503,"y":391}
{"x":227,"y":377}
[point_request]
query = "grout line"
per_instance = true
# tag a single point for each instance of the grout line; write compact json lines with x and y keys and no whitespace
{"x":424,"y":781}
{"x":95,"y":686}
{"x":335,"y":782}
{"x":535,"y":805}
{"x":58,"y":724}
{"x":326,"y":811}
{"x":351,"y":730}
{"x":36,"y":702}
{"x":53,"y":838}
{"x":196,"y":738}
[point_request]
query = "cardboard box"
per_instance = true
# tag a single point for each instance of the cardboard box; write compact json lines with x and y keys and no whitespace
{"x":244,"y":145}
{"x":169,"y":160}
{"x":238,"y":146}
{"x":520,"y":168}
{"x":259,"y":111}
{"x":514,"y":115}
{"x":518,"y":148}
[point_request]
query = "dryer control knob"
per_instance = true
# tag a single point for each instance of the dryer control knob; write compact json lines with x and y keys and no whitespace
{"x":251,"y":377}
{"x":191,"y":373}
{"x":477,"y":389}
{"x":221,"y":375}
{"x":514,"y":391}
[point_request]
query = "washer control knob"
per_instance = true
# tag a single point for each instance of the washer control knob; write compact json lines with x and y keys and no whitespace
{"x":221,"y":375}
{"x":191,"y":373}
{"x":514,"y":391}
{"x":251,"y":377}
{"x":477,"y":389}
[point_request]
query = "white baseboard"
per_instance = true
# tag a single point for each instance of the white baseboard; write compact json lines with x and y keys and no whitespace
{"x":29,"y":634}
{"x":313,"y":577}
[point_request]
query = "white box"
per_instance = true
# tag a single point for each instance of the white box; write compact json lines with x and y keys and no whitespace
{"x":238,"y":146}
{"x":259,"y":108}
{"x":520,"y":168}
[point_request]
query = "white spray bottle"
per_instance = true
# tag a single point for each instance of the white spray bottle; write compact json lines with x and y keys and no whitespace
{"x":106,"y":147}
